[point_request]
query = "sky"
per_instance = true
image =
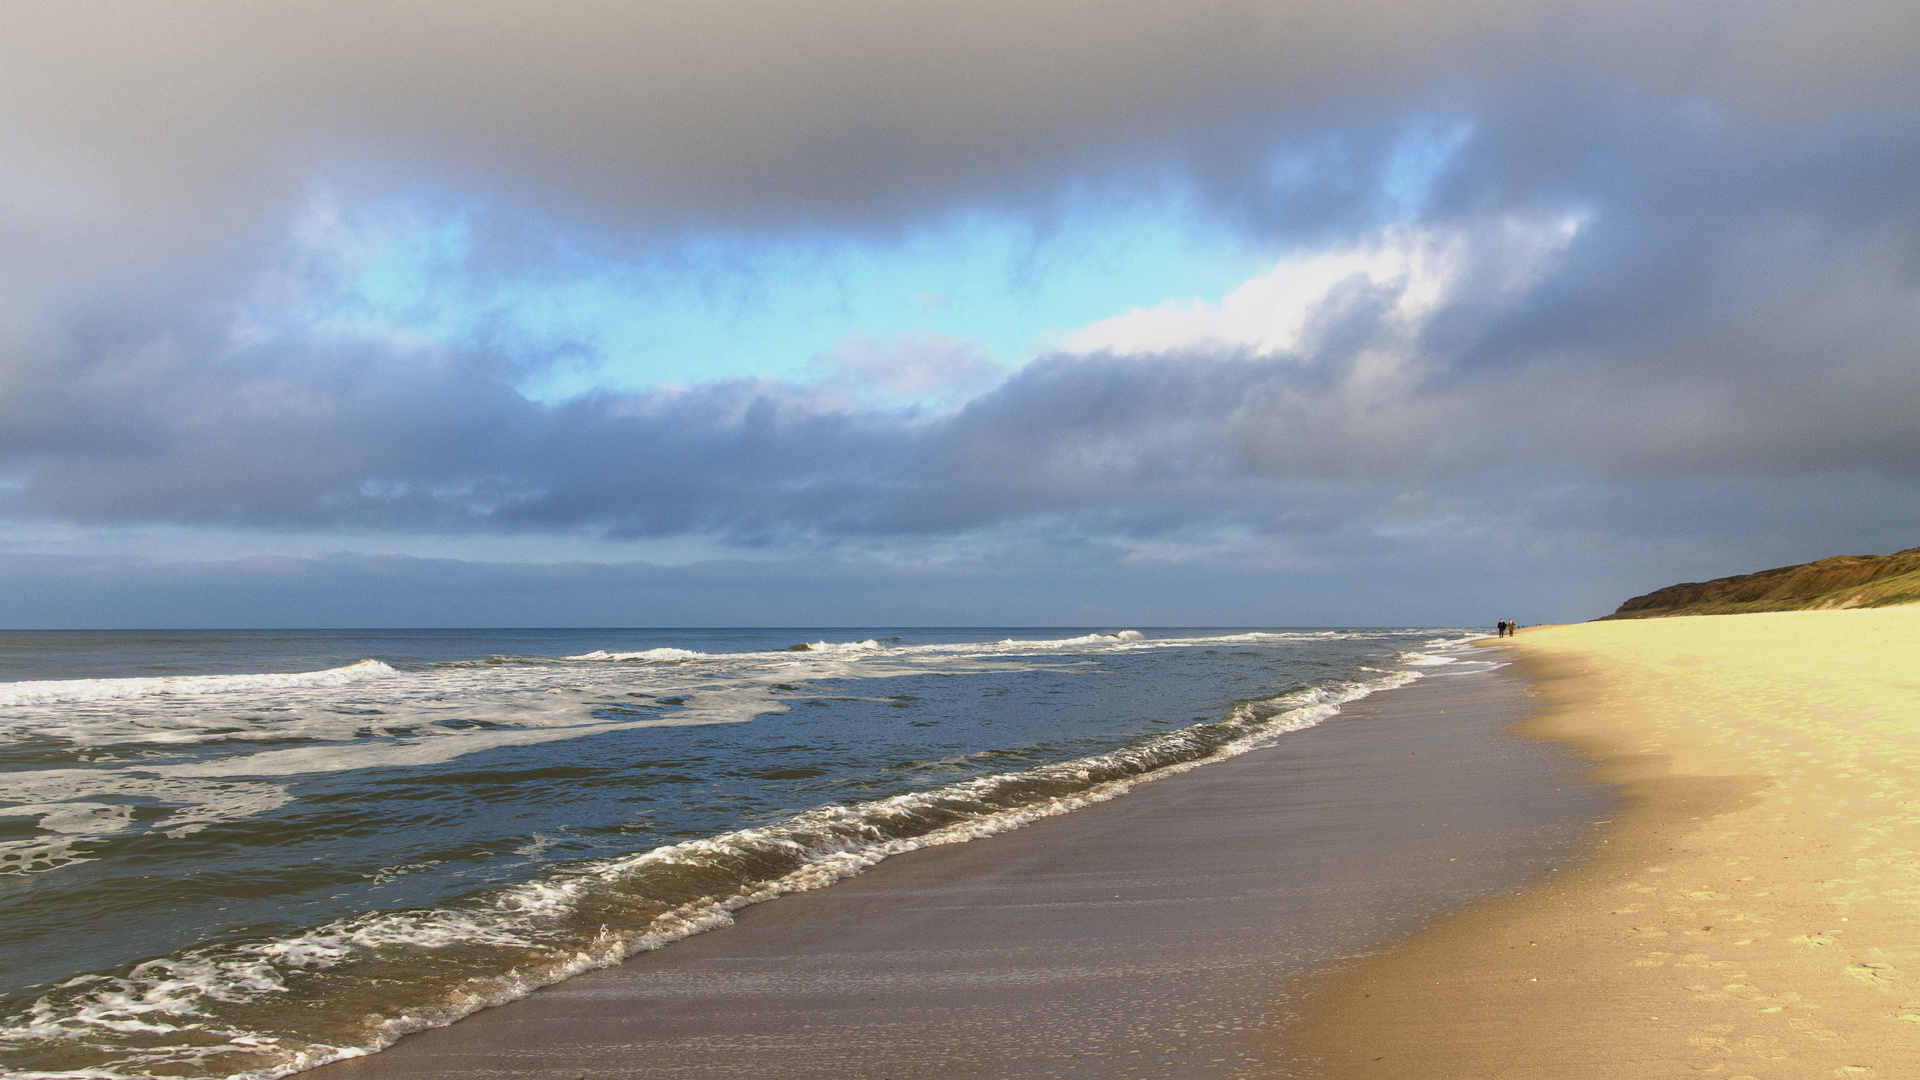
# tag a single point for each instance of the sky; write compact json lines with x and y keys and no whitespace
{"x":1218,"y":313}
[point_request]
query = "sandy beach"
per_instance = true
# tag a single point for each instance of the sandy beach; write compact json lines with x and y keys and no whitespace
{"x":1161,"y":934}
{"x":1755,"y":910}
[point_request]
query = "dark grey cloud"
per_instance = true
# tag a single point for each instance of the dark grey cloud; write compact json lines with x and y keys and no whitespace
{"x":725,"y":110}
{"x":1511,"y":550}
{"x":1794,"y":363}
{"x":189,"y":122}
{"x":1722,"y":363}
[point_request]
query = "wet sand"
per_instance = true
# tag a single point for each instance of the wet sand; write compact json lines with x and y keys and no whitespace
{"x":1755,"y":911}
{"x":1161,"y":934}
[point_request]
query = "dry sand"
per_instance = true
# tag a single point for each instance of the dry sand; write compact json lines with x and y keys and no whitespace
{"x":1756,"y":910}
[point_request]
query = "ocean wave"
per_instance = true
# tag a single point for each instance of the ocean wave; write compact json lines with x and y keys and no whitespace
{"x":1101,"y":639}
{"x":190,"y":1011}
{"x":1126,"y":636}
{"x":655,"y":655}
{"x":68,"y":691}
{"x":867,"y":646}
{"x":893,"y":647}
{"x":667,"y":654}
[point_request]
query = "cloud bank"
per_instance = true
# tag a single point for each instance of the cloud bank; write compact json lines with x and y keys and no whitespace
{"x":1561,"y":301}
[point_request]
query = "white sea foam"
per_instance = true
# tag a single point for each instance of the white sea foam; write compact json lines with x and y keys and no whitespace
{"x":1127,"y":636}
{"x":436,"y":703}
{"x":391,"y":719}
{"x":190,"y":992}
{"x":404,"y":719}
{"x":64,"y":804}
{"x":871,"y":648}
{"x":657,"y":655}
{"x":869,"y":645}
{"x":184,"y":993}
{"x":65,"y":691}
{"x":196,"y":794}
{"x":1438,"y":652}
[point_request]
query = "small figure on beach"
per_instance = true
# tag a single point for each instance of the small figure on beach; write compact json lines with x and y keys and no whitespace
{"x":1501,"y":627}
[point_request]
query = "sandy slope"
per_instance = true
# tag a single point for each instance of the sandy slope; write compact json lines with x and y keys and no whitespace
{"x":1754,"y":913}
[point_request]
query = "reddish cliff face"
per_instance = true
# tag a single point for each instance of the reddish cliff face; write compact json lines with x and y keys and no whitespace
{"x":1839,"y":582}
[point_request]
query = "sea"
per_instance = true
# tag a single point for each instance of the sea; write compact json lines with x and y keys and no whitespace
{"x":248,"y":853}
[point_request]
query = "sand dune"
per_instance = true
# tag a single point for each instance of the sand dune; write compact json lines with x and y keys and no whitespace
{"x":1841,"y":581}
{"x":1754,"y":913}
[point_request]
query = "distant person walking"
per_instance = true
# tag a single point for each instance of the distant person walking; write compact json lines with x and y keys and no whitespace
{"x":1502,"y":626}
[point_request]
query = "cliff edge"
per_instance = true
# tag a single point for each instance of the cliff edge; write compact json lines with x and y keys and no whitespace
{"x":1843,"y":581}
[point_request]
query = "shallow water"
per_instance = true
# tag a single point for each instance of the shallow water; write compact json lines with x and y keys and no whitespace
{"x":246,"y":853}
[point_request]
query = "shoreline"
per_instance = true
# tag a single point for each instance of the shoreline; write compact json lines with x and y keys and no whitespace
{"x":1754,"y":910}
{"x":1161,"y":933}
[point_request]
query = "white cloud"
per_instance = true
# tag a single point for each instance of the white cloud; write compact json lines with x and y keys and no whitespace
{"x":1420,"y":268}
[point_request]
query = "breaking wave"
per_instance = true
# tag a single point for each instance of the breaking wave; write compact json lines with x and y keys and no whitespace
{"x":655,"y":655}
{"x":377,"y":976}
{"x":65,"y":691}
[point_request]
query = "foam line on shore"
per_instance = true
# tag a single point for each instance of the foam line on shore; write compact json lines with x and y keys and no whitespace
{"x":179,"y":1008}
{"x":1150,"y":935}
